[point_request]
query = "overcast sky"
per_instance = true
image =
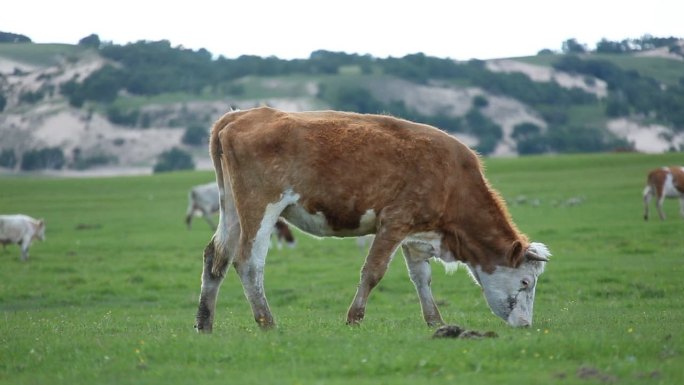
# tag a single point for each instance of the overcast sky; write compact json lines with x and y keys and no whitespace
{"x":482,"y":29}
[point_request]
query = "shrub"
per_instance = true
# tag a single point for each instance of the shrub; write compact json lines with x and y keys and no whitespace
{"x":8,"y":158}
{"x":195,"y":135}
{"x":44,"y":158}
{"x":81,"y":162}
{"x":480,"y":102}
{"x":174,"y":159}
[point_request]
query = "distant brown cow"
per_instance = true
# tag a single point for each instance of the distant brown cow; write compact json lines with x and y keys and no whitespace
{"x":345,"y":174}
{"x":664,"y":182}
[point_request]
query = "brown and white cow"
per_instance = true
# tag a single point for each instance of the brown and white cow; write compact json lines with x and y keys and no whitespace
{"x":203,"y":200}
{"x":664,"y":182}
{"x":345,"y":174}
{"x":22,"y":230}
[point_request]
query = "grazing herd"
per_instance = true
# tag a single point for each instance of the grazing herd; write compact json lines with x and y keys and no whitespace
{"x":388,"y":181}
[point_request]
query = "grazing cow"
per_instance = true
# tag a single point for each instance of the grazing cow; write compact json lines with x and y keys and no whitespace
{"x":22,"y":230}
{"x":346,"y":174}
{"x":665,"y":182}
{"x":204,"y":200}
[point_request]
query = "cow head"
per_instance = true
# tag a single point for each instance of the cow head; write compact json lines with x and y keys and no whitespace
{"x":510,"y":290}
{"x":39,"y":230}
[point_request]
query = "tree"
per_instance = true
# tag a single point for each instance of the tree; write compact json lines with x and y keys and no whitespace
{"x":174,"y":159}
{"x":8,"y":158}
{"x":90,"y":41}
{"x":8,"y":37}
{"x":3,"y":102}
{"x":529,"y":139}
{"x":572,"y":46}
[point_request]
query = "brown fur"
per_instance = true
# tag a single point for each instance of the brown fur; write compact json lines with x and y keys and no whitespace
{"x":415,"y":177}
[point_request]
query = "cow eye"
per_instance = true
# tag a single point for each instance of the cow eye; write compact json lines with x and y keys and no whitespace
{"x":525,"y":283}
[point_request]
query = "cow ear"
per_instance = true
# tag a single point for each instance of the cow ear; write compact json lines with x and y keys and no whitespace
{"x":538,"y":252}
{"x":516,"y":254}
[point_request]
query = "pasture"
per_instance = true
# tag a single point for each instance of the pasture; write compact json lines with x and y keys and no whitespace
{"x":110,"y":297}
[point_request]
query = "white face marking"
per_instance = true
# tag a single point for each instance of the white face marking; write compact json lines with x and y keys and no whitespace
{"x":510,"y":292}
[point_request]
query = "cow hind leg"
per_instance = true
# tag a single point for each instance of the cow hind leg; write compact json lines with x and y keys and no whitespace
{"x":213,"y":277}
{"x":647,"y":201}
{"x":207,"y":217}
{"x":218,"y":255}
{"x":254,"y":244}
{"x":420,"y":273}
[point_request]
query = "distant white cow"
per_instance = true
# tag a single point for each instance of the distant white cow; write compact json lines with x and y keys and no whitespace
{"x":203,"y":200}
{"x":22,"y":230}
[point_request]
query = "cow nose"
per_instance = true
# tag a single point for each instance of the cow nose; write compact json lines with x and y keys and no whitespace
{"x":519,"y":322}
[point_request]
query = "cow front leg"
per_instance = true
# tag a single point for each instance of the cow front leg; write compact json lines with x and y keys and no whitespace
{"x":373,"y":270}
{"x":420,"y":273}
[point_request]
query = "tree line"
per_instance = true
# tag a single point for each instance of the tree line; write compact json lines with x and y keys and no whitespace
{"x":149,"y":68}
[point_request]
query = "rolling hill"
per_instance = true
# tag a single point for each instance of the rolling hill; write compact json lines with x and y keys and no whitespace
{"x":127,"y":133}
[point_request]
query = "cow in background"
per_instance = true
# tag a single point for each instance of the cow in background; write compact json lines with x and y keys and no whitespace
{"x":203,"y":200}
{"x":346,"y":175}
{"x":661,"y":183}
{"x":21,"y":230}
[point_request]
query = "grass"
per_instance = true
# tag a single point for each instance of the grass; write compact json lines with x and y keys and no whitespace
{"x":110,"y":296}
{"x":664,"y":70}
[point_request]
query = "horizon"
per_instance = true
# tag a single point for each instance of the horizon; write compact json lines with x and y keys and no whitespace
{"x":484,"y":30}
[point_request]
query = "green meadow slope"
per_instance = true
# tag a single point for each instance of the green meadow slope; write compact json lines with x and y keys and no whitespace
{"x":110,"y":296}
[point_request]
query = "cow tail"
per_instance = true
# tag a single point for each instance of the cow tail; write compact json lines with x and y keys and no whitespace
{"x":219,"y":241}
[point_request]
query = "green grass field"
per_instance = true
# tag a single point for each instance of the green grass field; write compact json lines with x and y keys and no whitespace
{"x":110,"y":296}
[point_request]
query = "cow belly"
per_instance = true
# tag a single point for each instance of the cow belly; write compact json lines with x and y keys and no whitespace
{"x":317,"y":224}
{"x":669,"y":188}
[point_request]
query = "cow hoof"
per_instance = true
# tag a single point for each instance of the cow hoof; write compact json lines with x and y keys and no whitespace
{"x":203,"y":329}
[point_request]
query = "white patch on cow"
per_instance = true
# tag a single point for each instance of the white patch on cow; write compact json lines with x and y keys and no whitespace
{"x":430,"y":243}
{"x":263,"y":235}
{"x":317,"y":224}
{"x":669,"y":189}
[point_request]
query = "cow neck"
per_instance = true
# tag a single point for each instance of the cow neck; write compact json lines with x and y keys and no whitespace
{"x":480,"y":231}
